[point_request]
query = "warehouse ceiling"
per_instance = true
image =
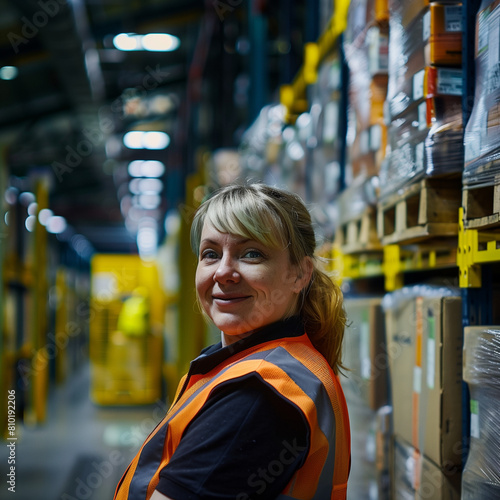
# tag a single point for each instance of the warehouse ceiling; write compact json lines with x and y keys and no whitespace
{"x":63,"y":114}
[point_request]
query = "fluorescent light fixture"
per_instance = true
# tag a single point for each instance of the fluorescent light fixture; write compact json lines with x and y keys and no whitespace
{"x":145,"y":186}
{"x":8,"y":72}
{"x":160,"y":42}
{"x":56,"y":224}
{"x":30,"y":223}
{"x":147,"y":201}
{"x":155,"y":140}
{"x":33,"y":208}
{"x":139,"y":139}
{"x":27,"y":198}
{"x":44,"y":216}
{"x":154,"y":42}
{"x":126,"y":42}
{"x":146,"y":168}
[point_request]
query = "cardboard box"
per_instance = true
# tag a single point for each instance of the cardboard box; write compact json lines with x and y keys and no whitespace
{"x":434,"y":39}
{"x":424,"y":345}
{"x":415,"y":476}
{"x":364,"y":352}
{"x":410,"y":10}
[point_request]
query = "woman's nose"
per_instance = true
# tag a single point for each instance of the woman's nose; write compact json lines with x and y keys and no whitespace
{"x":226,"y":270}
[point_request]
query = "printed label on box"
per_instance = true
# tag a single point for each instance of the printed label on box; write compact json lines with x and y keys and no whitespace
{"x":365,"y":350}
{"x":449,"y":81}
{"x":419,"y":157}
{"x":331,"y":122}
{"x":375,"y":137}
{"x":431,"y":350}
{"x":482,"y":31}
{"x":417,"y":379}
{"x":418,"y":85}
{"x":474,"y":419}
{"x":453,"y":18}
{"x":422,"y":116}
{"x":493,"y":39}
{"x":426,"y":33}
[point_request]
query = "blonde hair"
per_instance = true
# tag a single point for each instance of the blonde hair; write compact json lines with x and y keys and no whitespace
{"x":279,"y":219}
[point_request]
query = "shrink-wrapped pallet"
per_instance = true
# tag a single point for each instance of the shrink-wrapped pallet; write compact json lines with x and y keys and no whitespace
{"x":424,"y":104}
{"x":482,"y":133}
{"x":481,"y":371}
{"x":366,"y":51}
{"x":434,"y":38}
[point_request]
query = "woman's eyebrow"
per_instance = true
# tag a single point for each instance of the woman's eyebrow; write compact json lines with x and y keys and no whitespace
{"x":241,"y":241}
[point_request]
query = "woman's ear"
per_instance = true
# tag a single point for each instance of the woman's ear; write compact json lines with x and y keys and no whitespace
{"x":304,"y":274}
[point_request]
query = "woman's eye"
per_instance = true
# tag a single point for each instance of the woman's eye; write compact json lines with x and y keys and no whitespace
{"x":209,"y":254}
{"x":253,"y":254}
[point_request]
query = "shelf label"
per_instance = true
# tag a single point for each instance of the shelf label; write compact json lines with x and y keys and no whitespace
{"x":418,"y":85}
{"x":449,"y":81}
{"x":419,"y":157}
{"x":431,"y":350}
{"x":422,"y":116}
{"x":453,"y":18}
{"x":474,"y":419}
{"x":426,"y":29}
{"x":365,"y":351}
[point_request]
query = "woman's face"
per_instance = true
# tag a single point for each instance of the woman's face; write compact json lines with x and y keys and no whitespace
{"x":242,"y":284}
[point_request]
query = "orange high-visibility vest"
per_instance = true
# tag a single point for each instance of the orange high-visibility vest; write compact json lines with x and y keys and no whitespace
{"x":299,"y":374}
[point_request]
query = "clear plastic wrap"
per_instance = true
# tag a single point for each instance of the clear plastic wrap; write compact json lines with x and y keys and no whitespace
{"x":359,"y":196}
{"x":396,"y":299}
{"x":362,"y":15}
{"x":481,"y":476}
{"x":433,"y":38}
{"x":366,"y":44}
{"x":425,"y":141}
{"x":482,"y":133}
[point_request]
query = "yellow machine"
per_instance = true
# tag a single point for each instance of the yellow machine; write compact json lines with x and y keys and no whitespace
{"x":126,"y":317}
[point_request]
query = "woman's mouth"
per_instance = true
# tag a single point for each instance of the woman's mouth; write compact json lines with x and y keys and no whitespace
{"x":229,"y":299}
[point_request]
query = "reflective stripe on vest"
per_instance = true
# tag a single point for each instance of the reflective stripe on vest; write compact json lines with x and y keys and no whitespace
{"x":294,"y":368}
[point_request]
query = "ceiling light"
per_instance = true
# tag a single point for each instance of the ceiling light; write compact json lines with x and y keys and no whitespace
{"x":56,"y":224}
{"x":160,"y":42}
{"x":8,"y":72}
{"x":44,"y":216}
{"x":139,"y":139}
{"x":146,"y":168}
{"x":30,"y":223}
{"x":126,"y":41}
{"x":147,"y":201}
{"x":155,"y":140}
{"x":155,"y":42}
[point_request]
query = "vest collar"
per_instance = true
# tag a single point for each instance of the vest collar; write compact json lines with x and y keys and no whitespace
{"x":215,"y":354}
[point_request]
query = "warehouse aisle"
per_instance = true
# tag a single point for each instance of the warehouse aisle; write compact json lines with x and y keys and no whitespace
{"x":82,"y":450}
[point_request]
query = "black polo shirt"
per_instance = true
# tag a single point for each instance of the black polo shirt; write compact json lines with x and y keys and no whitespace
{"x":247,"y":441}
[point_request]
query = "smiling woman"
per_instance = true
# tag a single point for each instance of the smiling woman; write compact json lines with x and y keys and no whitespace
{"x":261,"y":415}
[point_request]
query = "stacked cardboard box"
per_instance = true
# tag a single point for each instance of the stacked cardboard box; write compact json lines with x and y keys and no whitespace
{"x":366,"y":390}
{"x":424,"y":339}
{"x":366,"y":49}
{"x":423,"y":107}
{"x":481,"y":371}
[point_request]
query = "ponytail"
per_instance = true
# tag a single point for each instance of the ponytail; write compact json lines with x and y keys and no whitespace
{"x":324,"y":317}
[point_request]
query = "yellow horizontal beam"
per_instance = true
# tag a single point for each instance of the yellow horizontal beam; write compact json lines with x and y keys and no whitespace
{"x":475,"y":248}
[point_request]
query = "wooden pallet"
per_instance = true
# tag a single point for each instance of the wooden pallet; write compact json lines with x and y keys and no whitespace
{"x":423,"y":210}
{"x":481,"y":207}
{"x":359,"y":234}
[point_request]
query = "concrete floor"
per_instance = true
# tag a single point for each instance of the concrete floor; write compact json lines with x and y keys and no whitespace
{"x":81,"y":451}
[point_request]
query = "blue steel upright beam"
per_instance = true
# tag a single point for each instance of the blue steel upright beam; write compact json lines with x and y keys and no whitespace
{"x":259,"y":74}
{"x":476,"y":302}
